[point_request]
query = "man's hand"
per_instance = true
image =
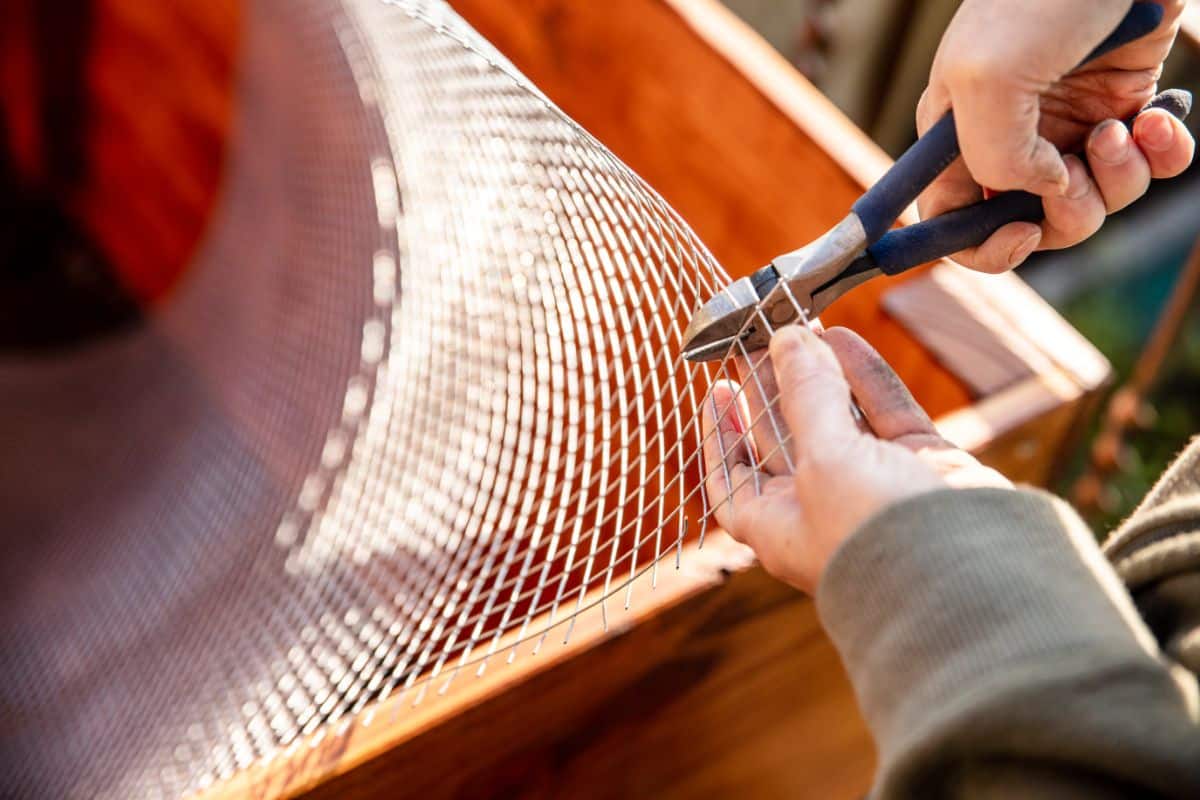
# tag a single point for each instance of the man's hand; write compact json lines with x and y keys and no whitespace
{"x":843,"y":474}
{"x":1005,"y":69}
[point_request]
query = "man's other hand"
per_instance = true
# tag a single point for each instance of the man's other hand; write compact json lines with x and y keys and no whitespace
{"x":836,"y":472}
{"x":1007,"y":70}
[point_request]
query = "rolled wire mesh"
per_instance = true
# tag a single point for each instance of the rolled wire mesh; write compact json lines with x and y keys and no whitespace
{"x":422,"y":394}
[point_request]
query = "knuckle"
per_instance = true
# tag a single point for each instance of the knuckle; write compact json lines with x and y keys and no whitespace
{"x":1080,"y":223}
{"x":974,"y":67}
{"x":1002,"y":174}
{"x":1173,"y":9}
{"x":969,"y":259}
{"x":927,"y":111}
{"x":1104,"y":93}
{"x":996,"y":164}
{"x":987,"y":258}
{"x":923,"y":102}
{"x":784,"y":357}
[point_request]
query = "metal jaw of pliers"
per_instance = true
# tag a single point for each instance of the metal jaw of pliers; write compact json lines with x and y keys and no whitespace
{"x":796,"y":285}
{"x":803,"y":283}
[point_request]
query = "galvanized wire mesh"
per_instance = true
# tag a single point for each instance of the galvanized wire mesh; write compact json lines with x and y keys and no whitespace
{"x":421,"y":391}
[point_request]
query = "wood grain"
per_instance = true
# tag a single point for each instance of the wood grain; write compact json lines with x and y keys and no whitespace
{"x":718,"y":682}
{"x":1037,"y":378}
{"x":731,"y":692}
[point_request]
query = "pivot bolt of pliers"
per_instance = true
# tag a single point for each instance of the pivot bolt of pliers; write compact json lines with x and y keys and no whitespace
{"x":781,"y":314}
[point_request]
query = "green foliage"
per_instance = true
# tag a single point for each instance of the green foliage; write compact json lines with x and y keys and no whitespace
{"x":1118,"y":319}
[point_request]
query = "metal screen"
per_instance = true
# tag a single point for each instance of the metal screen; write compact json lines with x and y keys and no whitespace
{"x":421,"y":389}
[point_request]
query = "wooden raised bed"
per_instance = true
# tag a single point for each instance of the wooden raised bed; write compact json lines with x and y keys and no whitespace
{"x":720,"y":682}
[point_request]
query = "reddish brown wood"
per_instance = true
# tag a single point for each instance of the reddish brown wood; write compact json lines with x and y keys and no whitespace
{"x":158,"y":112}
{"x":732,"y":692}
{"x":717,"y":683}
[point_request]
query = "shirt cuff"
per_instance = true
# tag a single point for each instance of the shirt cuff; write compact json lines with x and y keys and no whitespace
{"x":940,"y":594}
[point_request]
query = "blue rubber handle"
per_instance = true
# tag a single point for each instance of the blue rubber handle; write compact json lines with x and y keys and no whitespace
{"x":879,"y":208}
{"x":945,"y":235}
{"x":905,"y":248}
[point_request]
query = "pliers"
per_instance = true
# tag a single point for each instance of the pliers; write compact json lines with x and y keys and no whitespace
{"x":861,"y":246}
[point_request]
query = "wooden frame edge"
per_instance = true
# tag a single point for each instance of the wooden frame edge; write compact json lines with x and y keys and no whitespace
{"x":765,"y":68}
{"x":341,"y":748}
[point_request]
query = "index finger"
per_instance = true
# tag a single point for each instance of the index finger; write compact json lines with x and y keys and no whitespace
{"x":729,"y":475}
{"x":757,"y":375}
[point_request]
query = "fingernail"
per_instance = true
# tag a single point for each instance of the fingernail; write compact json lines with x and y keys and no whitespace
{"x":1080,"y":180}
{"x":1024,"y":249}
{"x":1156,"y":132}
{"x":1110,"y":143}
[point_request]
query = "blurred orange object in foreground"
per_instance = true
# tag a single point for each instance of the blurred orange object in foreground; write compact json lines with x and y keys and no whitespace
{"x":118,"y":112}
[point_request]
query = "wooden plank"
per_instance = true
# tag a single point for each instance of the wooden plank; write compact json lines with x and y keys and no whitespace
{"x":734,"y":692}
{"x":718,"y":681}
{"x":1021,"y":430}
{"x":992,"y":330}
{"x":1033,"y":452}
{"x":965,"y":335}
{"x":1038,"y":378}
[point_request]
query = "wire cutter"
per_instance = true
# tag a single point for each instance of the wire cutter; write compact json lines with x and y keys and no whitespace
{"x":861,"y":246}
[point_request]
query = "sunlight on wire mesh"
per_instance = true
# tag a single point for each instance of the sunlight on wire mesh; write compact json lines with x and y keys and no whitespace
{"x":420,"y":403}
{"x":765,"y":440}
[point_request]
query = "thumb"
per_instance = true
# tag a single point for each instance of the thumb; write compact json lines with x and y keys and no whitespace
{"x":997,"y":123}
{"x":813,"y":392}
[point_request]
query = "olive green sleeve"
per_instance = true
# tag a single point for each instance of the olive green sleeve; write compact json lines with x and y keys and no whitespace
{"x":995,"y":653}
{"x":1157,"y":555}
